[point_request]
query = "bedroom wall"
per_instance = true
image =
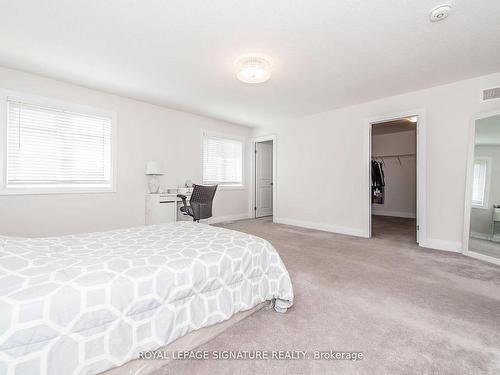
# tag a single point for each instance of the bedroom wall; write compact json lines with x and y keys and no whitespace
{"x":145,"y":132}
{"x":400,"y":179}
{"x":327,"y":152}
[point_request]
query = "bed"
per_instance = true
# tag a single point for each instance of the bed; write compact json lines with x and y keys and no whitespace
{"x":86,"y":303}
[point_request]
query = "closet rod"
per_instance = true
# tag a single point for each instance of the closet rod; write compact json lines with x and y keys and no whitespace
{"x":391,"y":156}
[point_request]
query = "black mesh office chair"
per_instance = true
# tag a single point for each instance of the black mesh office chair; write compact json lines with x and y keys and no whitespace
{"x":200,"y":204}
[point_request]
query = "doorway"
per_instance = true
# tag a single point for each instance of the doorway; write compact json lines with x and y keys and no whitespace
{"x":393,"y":185}
{"x":264,"y":177}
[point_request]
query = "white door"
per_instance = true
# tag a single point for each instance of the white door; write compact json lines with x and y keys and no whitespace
{"x":263,"y":179}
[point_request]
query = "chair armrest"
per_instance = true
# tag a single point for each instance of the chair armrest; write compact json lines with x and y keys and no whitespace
{"x":183,"y":197}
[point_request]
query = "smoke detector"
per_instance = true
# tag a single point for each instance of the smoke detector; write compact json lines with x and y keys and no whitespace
{"x":253,"y":69}
{"x":439,"y":13}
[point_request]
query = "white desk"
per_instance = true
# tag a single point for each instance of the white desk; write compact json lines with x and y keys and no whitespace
{"x":164,"y":208}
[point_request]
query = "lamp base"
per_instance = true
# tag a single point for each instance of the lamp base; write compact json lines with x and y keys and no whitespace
{"x":154,"y":185}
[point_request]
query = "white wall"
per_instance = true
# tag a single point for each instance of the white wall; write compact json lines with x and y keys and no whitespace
{"x":481,"y":219}
{"x":327,"y":153}
{"x":145,"y":132}
{"x":400,"y":179}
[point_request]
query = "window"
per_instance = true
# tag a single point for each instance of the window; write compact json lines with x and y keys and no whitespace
{"x":480,"y":182}
{"x":50,"y":149}
{"x":222,"y":161}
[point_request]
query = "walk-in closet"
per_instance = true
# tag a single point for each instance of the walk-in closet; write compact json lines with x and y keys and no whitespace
{"x":394,"y":179}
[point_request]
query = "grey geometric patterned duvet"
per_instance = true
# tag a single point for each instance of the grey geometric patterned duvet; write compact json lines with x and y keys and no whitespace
{"x":81,"y":304}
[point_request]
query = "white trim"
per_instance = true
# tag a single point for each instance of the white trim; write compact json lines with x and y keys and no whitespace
{"x":274,"y":139}
{"x":230,"y":187}
{"x":223,"y":219}
{"x":410,"y":215}
{"x":485,"y":258}
{"x":322,"y":226}
{"x":62,"y":105}
{"x":468,"y":185}
{"x":452,"y":246}
{"x":57,"y":190}
{"x":421,"y":169}
{"x":3,"y":140}
{"x":480,"y":207}
{"x":481,"y":236}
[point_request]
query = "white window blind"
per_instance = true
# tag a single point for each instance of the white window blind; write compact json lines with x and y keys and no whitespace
{"x":50,"y":147}
{"x":479,"y":182}
{"x":222,"y":161}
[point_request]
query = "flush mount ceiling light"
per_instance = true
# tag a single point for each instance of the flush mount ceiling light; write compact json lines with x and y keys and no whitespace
{"x":439,"y":13}
{"x":253,"y":69}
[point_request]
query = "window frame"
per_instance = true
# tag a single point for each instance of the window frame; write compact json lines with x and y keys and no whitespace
{"x":64,"y":106}
{"x":209,"y":134}
{"x":484,"y":205}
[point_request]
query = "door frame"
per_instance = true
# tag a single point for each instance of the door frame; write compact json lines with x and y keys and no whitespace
{"x":273,"y":138}
{"x":468,"y":189}
{"x":421,"y":170}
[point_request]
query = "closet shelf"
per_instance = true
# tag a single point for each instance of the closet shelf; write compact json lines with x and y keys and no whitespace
{"x":391,"y":156}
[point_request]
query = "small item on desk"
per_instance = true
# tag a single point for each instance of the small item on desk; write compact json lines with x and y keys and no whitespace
{"x":185,"y":190}
{"x":188,"y":187}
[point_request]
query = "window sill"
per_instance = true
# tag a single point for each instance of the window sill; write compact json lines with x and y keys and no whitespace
{"x":231,"y":187}
{"x":481,"y":207}
{"x":44,"y":191}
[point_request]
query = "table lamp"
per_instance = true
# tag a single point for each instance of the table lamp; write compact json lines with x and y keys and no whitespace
{"x":153,"y":170}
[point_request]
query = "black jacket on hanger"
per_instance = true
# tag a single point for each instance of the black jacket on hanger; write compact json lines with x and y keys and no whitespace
{"x":378,"y":182}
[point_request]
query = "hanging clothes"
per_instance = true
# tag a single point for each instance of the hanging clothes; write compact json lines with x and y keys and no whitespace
{"x":378,"y":182}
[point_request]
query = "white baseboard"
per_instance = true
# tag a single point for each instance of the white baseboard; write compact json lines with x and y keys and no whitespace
{"x":484,"y":258}
{"x":322,"y":226}
{"x":222,"y":219}
{"x":452,"y":246}
{"x":430,"y":243}
{"x":484,"y":236}
{"x":410,"y":215}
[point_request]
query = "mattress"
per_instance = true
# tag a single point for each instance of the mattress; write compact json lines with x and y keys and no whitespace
{"x":82,"y":304}
{"x":191,"y":341}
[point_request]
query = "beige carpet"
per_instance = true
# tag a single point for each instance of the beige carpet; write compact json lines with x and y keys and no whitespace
{"x":409,"y":310}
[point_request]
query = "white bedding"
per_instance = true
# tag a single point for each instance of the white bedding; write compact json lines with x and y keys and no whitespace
{"x":82,"y":304}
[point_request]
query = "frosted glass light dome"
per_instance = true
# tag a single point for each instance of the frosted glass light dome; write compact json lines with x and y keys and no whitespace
{"x":253,"y":69}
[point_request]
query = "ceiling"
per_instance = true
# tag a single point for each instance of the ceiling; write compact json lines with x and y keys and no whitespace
{"x":396,"y":126}
{"x":488,"y":131}
{"x":180,"y":54}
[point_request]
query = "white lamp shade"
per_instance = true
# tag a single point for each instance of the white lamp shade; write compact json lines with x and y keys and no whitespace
{"x":153,"y":168}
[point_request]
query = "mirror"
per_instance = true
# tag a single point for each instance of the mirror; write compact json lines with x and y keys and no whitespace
{"x":484,"y":235}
